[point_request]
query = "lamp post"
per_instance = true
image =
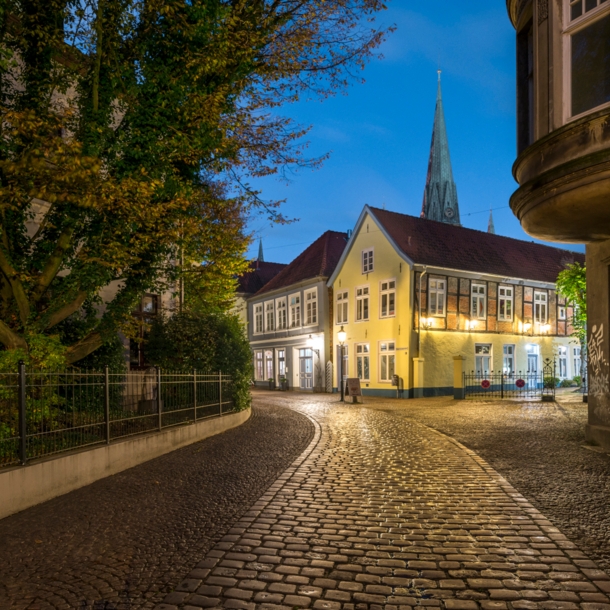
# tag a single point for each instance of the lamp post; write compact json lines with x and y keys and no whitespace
{"x":341,"y":336}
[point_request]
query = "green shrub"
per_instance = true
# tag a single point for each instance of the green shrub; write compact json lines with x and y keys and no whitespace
{"x":566,"y":383}
{"x":551,"y":382}
{"x":209,"y":343}
{"x":577,"y":380}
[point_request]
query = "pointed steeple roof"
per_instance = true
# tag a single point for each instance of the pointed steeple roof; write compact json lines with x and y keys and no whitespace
{"x":440,"y":195}
{"x":490,"y":224}
{"x":260,"y":258}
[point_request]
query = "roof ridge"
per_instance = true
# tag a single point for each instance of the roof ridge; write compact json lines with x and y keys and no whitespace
{"x":463,"y":228}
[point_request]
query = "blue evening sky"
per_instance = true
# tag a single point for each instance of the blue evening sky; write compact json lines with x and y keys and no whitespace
{"x":379,"y":133}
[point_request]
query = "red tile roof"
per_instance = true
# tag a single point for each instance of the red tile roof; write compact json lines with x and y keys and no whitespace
{"x":319,"y":260}
{"x":428,"y":242}
{"x":260,"y":273}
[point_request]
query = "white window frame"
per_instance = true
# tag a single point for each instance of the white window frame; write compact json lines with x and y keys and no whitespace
{"x":570,"y":28}
{"x":387,"y":355}
{"x":562,"y":361}
{"x":342,"y":307}
{"x":363,"y":360}
{"x":269,"y":316}
{"x":478,"y":301}
{"x":258,"y":318}
{"x":368,"y":260}
{"x":294,"y":311}
{"x":310,"y":298}
{"x":561,"y":313}
{"x":281,"y":361}
{"x":438,"y":291}
{"x":509,"y":356}
{"x":259,"y":365}
{"x":490,"y":356}
{"x":577,"y":361}
{"x":281,"y":314}
{"x":544,"y":305}
{"x":508,"y":299}
{"x":364,"y":296}
{"x":389,"y":295}
{"x":269,"y":365}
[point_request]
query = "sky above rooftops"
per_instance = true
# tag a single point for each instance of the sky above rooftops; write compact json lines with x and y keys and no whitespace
{"x":379,"y":133}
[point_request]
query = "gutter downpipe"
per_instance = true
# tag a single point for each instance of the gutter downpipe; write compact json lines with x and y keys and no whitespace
{"x":419,"y":316}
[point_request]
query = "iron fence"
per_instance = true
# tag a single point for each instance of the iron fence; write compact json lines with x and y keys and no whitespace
{"x":46,"y":412}
{"x":530,"y":385}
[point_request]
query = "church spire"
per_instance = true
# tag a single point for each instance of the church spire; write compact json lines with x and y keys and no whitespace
{"x":261,"y":258}
{"x":490,"y":224}
{"x":440,"y":195}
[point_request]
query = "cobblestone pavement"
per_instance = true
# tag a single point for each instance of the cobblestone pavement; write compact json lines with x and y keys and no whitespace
{"x":115,"y":544}
{"x":540,"y":449}
{"x":381,"y":512}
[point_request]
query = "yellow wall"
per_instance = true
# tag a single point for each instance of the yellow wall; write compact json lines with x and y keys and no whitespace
{"x":387,"y":265}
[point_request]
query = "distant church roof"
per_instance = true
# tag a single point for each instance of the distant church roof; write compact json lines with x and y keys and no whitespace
{"x":440,"y":195}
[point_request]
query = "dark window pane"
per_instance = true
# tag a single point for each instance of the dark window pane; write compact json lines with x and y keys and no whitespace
{"x":590,"y":5}
{"x":591,"y":66}
{"x":576,"y":10}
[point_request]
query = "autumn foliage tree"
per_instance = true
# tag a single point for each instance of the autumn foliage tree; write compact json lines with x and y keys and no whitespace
{"x":129,"y":130}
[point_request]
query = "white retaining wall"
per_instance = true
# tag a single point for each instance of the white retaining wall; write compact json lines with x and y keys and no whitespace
{"x":25,"y":486}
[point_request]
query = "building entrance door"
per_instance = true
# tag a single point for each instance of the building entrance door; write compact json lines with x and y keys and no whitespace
{"x":306,"y":369}
{"x":532,"y":369}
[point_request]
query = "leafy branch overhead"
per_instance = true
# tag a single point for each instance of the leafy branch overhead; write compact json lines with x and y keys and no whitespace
{"x":129,"y":131}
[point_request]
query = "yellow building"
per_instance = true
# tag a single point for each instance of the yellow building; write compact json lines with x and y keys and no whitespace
{"x":412,"y":294}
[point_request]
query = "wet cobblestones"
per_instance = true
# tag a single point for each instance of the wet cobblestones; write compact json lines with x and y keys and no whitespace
{"x":383,"y":513}
{"x":114,"y":545}
{"x":540,"y":449}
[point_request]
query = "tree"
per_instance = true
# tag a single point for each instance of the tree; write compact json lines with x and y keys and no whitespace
{"x":572,"y":284}
{"x":128,"y":132}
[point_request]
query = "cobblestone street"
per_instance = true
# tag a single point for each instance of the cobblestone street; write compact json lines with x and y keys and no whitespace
{"x":372,"y":509}
{"x":383,"y":512}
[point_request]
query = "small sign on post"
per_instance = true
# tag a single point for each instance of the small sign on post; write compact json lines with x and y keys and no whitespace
{"x":353,"y":389}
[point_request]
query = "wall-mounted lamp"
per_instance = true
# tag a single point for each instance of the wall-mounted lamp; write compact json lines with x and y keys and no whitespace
{"x":526,"y":327}
{"x":311,"y":343}
{"x":426,"y":323}
{"x":471,"y":324}
{"x":341,"y":336}
{"x":545,"y":328}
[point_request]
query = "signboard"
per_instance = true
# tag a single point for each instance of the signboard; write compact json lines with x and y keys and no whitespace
{"x":485,"y":384}
{"x":353,"y":387}
{"x":520,"y":383}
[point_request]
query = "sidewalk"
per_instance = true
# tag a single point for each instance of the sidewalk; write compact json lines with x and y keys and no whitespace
{"x":383,"y":512}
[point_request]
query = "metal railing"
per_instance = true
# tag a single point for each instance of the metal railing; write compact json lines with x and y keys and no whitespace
{"x":516,"y":385}
{"x":47,"y":412}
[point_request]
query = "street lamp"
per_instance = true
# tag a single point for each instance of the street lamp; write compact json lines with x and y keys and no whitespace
{"x":341,"y":336}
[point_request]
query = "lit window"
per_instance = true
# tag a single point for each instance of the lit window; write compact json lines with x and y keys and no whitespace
{"x":540,"y":307}
{"x":269,"y":316}
{"x":269,"y":364}
{"x":367,"y":260}
{"x":387,"y":299}
{"x":280,"y":308}
{"x":362,"y":303}
{"x":477,"y":308}
{"x":295,"y":310}
{"x":258,"y":366}
{"x":311,"y":307}
{"x":505,"y":303}
{"x":342,"y":307}
{"x":363,"y":361}
{"x":281,"y":362}
{"x":577,"y":362}
{"x":508,"y":360}
{"x":387,"y":360}
{"x":258,"y":318}
{"x":561,"y":313}
{"x":436,"y":297}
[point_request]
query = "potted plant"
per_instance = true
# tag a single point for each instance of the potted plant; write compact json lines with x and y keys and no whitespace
{"x":271,"y":383}
{"x":283,"y":384}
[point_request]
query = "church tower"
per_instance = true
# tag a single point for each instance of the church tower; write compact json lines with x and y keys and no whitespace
{"x":440,"y":195}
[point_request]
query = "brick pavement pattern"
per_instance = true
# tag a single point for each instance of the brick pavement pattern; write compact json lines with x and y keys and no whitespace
{"x":381,"y":512}
{"x":115,"y":544}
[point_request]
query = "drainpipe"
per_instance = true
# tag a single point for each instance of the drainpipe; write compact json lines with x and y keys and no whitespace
{"x":419,"y":303}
